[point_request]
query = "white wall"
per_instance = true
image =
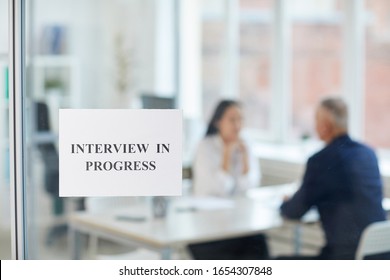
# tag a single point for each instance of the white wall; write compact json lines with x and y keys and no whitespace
{"x":80,"y":19}
{"x":134,"y":22}
{"x":164,"y":48}
{"x":93,"y":26}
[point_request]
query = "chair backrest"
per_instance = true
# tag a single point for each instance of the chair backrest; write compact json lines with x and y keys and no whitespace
{"x":375,"y":239}
{"x":42,"y":117}
{"x":151,"y":101}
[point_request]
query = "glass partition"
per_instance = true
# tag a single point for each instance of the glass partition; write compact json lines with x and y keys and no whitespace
{"x":88,"y":54}
{"x":183,"y":54}
{"x":5,"y":227}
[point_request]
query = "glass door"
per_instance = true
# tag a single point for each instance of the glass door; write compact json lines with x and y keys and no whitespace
{"x":5,"y":223}
{"x":82,"y":54}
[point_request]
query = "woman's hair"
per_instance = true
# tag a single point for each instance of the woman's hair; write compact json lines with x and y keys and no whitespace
{"x":212,"y":128}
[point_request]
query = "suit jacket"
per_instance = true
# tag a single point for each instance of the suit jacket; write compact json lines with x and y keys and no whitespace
{"x":343,"y":182}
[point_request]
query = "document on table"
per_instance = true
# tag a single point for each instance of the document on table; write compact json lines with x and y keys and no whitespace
{"x":203,"y":203}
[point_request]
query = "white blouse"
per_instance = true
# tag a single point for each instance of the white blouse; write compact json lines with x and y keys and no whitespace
{"x":209,"y":177}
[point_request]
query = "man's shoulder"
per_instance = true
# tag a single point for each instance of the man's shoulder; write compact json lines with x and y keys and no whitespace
{"x":362,"y":146}
{"x":356,"y":148}
{"x":343,"y":147}
{"x":320,"y":154}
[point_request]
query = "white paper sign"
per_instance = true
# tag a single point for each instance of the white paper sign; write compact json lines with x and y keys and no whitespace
{"x":115,"y":152}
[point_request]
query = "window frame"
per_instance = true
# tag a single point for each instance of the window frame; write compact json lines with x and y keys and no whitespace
{"x":281,"y":68}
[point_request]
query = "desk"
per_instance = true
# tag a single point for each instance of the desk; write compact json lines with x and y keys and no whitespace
{"x":249,"y":215}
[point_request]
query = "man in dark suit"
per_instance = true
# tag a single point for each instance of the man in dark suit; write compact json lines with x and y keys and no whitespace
{"x":342,"y":181}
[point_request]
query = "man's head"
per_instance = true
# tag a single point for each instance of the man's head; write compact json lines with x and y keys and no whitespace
{"x":331,"y":119}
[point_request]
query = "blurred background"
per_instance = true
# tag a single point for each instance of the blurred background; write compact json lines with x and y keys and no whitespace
{"x":278,"y":57}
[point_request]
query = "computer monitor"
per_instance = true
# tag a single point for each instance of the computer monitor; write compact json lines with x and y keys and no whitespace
{"x":157,"y":102}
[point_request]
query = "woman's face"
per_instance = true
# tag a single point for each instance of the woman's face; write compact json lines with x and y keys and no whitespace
{"x":230,"y":124}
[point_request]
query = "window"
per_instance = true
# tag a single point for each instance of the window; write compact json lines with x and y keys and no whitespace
{"x":236,"y":57}
{"x":213,"y":40}
{"x":317,"y":45}
{"x":256,"y":41}
{"x":377,"y":73}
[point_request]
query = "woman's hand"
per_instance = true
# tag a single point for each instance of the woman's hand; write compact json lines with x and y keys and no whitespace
{"x":244,"y":155}
{"x":229,"y":148}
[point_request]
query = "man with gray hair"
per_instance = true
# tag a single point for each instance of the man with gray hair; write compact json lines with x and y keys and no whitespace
{"x":342,"y":181}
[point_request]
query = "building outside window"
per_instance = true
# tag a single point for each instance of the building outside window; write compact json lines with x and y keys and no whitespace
{"x":377,"y":73}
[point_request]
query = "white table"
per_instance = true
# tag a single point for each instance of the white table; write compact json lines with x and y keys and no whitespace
{"x":184,"y":223}
{"x":190,"y":221}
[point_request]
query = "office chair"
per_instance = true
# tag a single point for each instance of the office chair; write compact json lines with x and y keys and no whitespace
{"x":153,"y":101}
{"x":375,"y":242}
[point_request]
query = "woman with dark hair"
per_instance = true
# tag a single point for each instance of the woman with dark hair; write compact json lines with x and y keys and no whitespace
{"x":224,"y":165}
